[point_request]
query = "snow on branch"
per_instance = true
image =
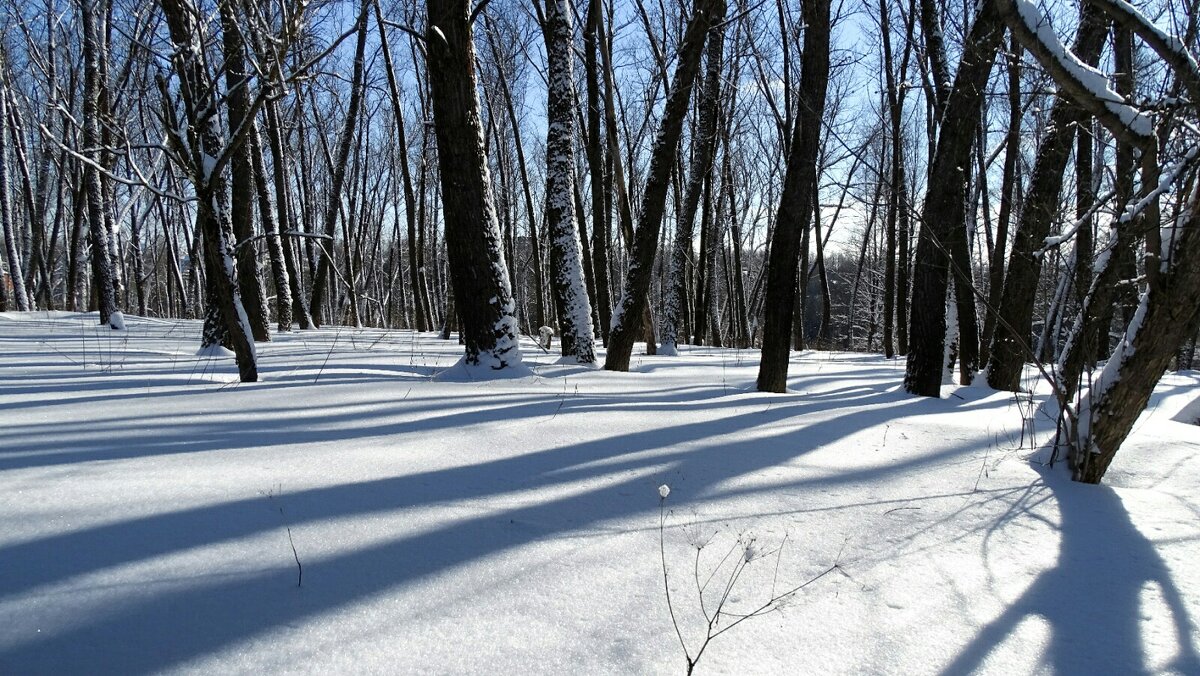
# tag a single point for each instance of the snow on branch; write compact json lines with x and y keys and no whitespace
{"x":1084,"y":85}
{"x":1169,"y":47}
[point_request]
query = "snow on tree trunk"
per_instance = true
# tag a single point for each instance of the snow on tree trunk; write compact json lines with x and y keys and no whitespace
{"x":280,"y":183}
{"x":102,"y":273}
{"x":478,"y":273}
{"x":10,"y":243}
{"x":198,"y":145}
{"x":629,"y":313}
{"x":1160,"y":325}
{"x":706,"y":144}
{"x":242,"y":192}
{"x":275,"y":250}
{"x":570,"y":294}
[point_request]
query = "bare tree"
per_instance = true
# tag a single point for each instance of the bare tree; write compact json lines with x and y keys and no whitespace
{"x":481,"y":286}
{"x":797,"y":203}
{"x":701,"y":174}
{"x":1010,"y":345}
{"x":102,"y":272}
{"x":637,"y":280}
{"x":566,"y":254}
{"x":942,"y":218}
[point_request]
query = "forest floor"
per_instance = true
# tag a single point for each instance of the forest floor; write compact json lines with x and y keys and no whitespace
{"x":153,"y":512}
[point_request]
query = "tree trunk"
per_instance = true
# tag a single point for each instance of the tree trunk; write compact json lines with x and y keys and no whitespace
{"x":1160,"y":325}
{"x":566,"y":264}
{"x":1010,"y":345}
{"x":345,"y":142}
{"x":275,"y":248}
{"x":287,"y":226}
{"x":701,"y":170}
{"x":15,"y":274}
{"x":203,"y":143}
{"x":601,"y":196}
{"x":637,"y":280}
{"x":102,"y":273}
{"x":480,"y":280}
{"x":420,"y":309}
{"x":1008,"y":187}
{"x":943,"y":213}
{"x":796,"y":203}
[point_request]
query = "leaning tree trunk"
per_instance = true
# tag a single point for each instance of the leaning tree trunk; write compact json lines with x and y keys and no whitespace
{"x":627,"y":319}
{"x":1160,"y":325}
{"x":701,"y":170}
{"x":1129,"y":126}
{"x":483,"y":295}
{"x":796,"y":203}
{"x":943,"y":214}
{"x":345,"y":141}
{"x":566,"y":255}
{"x":1010,"y":343}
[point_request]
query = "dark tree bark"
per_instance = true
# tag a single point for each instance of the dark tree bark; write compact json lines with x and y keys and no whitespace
{"x":601,"y":195}
{"x":345,"y":142}
{"x":796,"y":203}
{"x":102,"y":274}
{"x":943,"y":214}
{"x":199,"y":153}
{"x":895,"y":113}
{"x":637,"y":281}
{"x":1010,"y":344}
{"x":479,"y":278}
{"x":935,"y":52}
{"x":241,"y":186}
{"x":701,"y":171}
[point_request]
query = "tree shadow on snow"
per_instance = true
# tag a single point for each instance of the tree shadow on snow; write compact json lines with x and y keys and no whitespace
{"x":182,"y":621}
{"x":1095,"y":596}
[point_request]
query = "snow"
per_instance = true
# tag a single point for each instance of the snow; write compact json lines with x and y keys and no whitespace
{"x":1091,"y":79}
{"x":149,"y":503}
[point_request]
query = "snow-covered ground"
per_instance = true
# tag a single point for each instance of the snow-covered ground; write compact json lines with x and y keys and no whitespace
{"x":149,"y":505}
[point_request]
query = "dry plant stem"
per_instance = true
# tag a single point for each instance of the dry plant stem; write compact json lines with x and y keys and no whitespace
{"x":299,"y":568}
{"x":711,"y":631}
{"x":662,"y":551}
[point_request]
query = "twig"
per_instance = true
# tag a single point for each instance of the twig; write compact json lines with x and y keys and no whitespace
{"x":662,"y":551}
{"x":299,"y":568}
